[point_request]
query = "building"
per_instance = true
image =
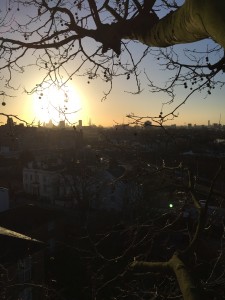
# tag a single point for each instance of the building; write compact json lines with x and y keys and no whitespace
{"x":62,"y":124}
{"x":42,"y":181}
{"x":24,"y":267}
{"x":22,"y":263}
{"x":82,"y":184}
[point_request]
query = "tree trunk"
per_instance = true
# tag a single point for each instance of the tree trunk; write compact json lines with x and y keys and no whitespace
{"x":186,"y":283}
{"x":193,"y":21}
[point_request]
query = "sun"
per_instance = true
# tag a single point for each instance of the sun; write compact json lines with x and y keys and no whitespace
{"x":55,"y":104}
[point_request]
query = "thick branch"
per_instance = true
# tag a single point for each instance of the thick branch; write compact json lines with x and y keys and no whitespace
{"x":194,"y":21}
{"x":94,"y":12}
{"x":144,"y":266}
{"x":186,"y":283}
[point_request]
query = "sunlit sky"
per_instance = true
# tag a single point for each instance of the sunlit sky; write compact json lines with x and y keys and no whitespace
{"x":85,"y":99}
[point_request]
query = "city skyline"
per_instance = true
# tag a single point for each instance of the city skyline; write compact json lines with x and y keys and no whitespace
{"x":113,"y":110}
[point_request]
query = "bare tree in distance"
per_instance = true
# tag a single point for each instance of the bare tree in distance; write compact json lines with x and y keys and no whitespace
{"x":97,"y":39}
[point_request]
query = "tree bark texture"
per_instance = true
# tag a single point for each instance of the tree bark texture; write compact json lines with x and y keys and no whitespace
{"x":193,"y":21}
{"x":186,"y":283}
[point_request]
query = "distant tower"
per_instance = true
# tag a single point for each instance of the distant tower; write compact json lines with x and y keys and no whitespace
{"x":80,"y":123}
{"x":220,"y":120}
{"x":10,"y":122}
{"x":208,"y":123}
{"x":62,"y":124}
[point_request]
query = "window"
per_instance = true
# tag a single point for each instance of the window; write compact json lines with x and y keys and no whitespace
{"x":24,"y":269}
{"x":51,"y":244}
{"x":45,"y":188}
{"x":26,"y":294}
{"x":51,"y":225}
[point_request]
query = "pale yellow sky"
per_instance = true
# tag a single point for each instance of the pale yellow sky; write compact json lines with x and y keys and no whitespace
{"x":87,"y":97}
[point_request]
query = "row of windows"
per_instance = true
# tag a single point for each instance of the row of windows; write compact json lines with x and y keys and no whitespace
{"x":36,"y":177}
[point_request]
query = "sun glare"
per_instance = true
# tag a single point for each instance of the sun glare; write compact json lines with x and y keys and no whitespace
{"x":57,"y":104}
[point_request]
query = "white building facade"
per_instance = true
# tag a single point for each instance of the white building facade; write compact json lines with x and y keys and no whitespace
{"x":101,"y":190}
{"x":41,"y":182}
